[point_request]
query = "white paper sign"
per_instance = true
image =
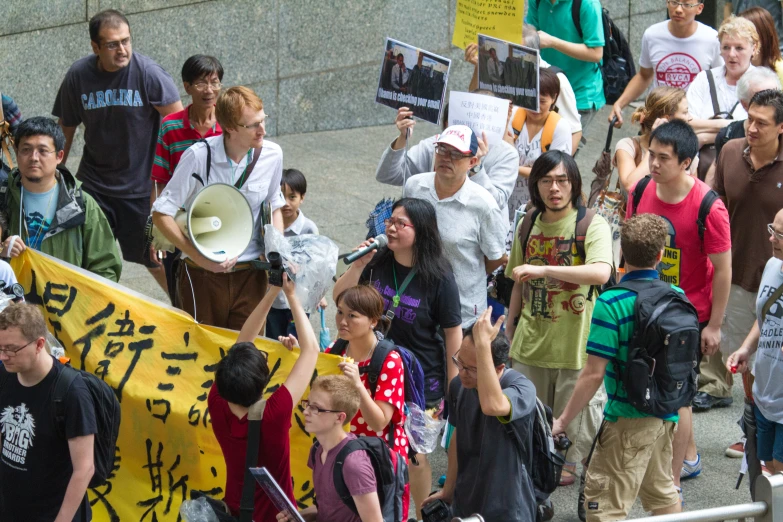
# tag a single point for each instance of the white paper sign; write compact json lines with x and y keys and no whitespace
{"x":481,"y":113}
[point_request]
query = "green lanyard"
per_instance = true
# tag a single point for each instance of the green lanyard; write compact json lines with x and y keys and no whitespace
{"x":396,"y":299}
{"x":234,"y":169}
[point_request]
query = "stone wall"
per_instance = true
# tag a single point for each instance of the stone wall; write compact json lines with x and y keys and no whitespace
{"x":315,"y":63}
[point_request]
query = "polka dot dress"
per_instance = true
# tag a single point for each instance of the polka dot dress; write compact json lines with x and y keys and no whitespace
{"x":390,"y":388}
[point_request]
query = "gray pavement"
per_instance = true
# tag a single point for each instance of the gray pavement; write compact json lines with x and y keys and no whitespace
{"x":340,"y":168}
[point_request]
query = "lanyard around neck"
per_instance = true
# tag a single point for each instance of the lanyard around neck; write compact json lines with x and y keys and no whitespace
{"x":234,"y":168}
{"x":399,"y":290}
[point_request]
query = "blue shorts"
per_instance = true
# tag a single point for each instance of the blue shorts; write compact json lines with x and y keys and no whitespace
{"x":769,"y":438}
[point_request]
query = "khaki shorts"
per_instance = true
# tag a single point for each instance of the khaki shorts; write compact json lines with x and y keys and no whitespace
{"x":633,"y":458}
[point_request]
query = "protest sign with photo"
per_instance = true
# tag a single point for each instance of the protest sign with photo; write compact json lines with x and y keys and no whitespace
{"x":414,"y":78}
{"x":499,"y":18}
{"x":509,"y":70}
{"x":483,"y":114}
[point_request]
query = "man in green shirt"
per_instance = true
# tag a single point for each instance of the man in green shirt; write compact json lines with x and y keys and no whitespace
{"x":578,"y":55}
{"x":634,"y":453}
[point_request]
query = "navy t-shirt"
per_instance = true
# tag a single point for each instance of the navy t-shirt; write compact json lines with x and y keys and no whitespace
{"x":422,"y":309}
{"x":35,"y":462}
{"x":120,"y":121}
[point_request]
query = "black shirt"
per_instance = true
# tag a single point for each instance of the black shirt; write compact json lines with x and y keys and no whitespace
{"x":35,"y":462}
{"x":422,"y":309}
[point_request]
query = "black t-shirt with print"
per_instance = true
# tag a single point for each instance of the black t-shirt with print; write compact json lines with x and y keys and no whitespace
{"x":422,"y":309}
{"x":35,"y":462}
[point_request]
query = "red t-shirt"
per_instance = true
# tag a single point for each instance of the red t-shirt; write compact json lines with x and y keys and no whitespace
{"x":273,"y":452}
{"x":174,"y":138}
{"x":684,"y":263}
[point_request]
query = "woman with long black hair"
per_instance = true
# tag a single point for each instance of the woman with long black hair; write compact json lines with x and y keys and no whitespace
{"x":420,"y":294}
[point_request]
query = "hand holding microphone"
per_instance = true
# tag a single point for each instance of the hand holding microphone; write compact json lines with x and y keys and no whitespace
{"x":368,"y":247}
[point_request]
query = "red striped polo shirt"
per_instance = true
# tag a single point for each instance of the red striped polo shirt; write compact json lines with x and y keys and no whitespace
{"x":174,"y":137}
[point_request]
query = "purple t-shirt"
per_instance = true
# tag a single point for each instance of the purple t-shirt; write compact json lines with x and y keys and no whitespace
{"x":120,"y":121}
{"x":358,"y":475}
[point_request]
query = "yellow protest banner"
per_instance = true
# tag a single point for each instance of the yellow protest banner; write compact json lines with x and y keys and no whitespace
{"x":160,"y":363}
{"x":499,"y":18}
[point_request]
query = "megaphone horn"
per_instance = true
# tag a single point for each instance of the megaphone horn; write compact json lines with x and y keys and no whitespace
{"x":219,"y":222}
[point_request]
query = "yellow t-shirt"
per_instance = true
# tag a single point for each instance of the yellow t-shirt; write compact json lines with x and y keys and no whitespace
{"x":555,"y":318}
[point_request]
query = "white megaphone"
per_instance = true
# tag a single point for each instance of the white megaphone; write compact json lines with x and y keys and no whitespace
{"x":219,"y":223}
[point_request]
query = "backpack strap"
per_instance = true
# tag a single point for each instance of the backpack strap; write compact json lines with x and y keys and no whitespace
{"x":373,"y":370}
{"x":768,"y":303}
{"x":381,"y":478}
{"x":576,"y":7}
{"x":638,"y":192}
{"x":713,"y":93}
{"x":60,"y":389}
{"x":584,"y":218}
{"x":254,"y":416}
{"x":209,"y":163}
{"x":339,"y":347}
{"x":704,"y":211}
{"x":548,"y":133}
{"x":519,"y":121}
{"x":524,"y":229}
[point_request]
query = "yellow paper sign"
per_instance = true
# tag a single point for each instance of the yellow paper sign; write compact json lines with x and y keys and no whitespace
{"x":161,"y":364}
{"x":498,"y":18}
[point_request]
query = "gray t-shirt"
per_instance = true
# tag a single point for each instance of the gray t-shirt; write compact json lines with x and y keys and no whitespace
{"x":493,"y":477}
{"x":773,"y":6}
{"x":120,"y":122}
{"x":768,"y":387}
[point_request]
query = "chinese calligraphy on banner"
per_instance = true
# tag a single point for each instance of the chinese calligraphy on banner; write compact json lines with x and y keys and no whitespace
{"x":499,"y":18}
{"x":161,"y":364}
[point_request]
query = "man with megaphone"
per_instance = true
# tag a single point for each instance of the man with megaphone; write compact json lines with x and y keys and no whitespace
{"x":212,"y":211}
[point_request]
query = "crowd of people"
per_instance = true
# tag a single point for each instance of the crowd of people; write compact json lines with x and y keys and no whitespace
{"x":703,"y":219}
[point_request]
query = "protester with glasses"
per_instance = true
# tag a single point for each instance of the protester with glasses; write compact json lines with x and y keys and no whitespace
{"x":471,"y":225}
{"x":361,"y":325}
{"x":119,"y":96}
{"x":201,"y":77}
{"x":35,"y":450}
{"x":241,"y":378}
{"x":492,"y":409}
{"x":421,"y":296}
{"x":332,"y":403}
{"x":554,"y":293}
{"x":223,"y":294}
{"x":765,"y":340}
{"x":47,"y":210}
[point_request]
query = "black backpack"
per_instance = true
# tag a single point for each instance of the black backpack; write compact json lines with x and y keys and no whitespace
{"x":391,"y":475}
{"x":704,"y":207}
{"x":617,"y":64}
{"x":661,"y":374}
{"x":107,"y":416}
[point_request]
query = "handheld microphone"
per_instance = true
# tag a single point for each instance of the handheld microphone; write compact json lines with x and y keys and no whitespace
{"x":380,"y":242}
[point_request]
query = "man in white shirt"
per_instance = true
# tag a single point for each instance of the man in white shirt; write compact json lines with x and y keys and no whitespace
{"x":471,"y":225}
{"x":673,"y":53}
{"x":400,"y":74}
{"x":224,"y":294}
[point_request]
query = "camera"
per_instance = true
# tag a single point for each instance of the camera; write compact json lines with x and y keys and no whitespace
{"x":436,"y":511}
{"x":15,"y":292}
{"x":273,"y":265}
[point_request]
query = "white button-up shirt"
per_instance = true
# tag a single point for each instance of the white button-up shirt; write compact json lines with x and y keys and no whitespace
{"x":263,"y":183}
{"x":471,"y":226}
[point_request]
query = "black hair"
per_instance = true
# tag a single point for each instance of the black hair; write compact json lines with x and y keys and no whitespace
{"x":40,"y":126}
{"x":500,"y":346}
{"x":400,"y":54}
{"x":429,"y":257}
{"x":242,"y":374}
{"x":680,"y":137}
{"x":770,"y":98}
{"x":295,"y":180}
{"x":112,"y":17}
{"x":545,"y":164}
{"x":201,"y":66}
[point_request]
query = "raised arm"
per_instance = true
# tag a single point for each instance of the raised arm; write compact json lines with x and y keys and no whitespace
{"x":255,"y":321}
{"x":299,"y":379}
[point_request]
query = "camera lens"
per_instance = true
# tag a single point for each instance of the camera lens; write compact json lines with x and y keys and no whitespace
{"x":275,"y":260}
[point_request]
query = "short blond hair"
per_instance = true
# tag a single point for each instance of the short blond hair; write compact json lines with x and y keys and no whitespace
{"x":741,"y":28}
{"x":28,"y":318}
{"x":231,"y":103}
{"x":662,"y":102}
{"x":342,"y":393}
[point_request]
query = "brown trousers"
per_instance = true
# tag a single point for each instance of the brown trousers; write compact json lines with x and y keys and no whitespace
{"x":224,"y":300}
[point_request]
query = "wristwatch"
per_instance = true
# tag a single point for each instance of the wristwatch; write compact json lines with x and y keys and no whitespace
{"x":474,"y":170}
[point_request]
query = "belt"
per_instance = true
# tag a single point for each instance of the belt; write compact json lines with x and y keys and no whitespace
{"x":237,"y":268}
